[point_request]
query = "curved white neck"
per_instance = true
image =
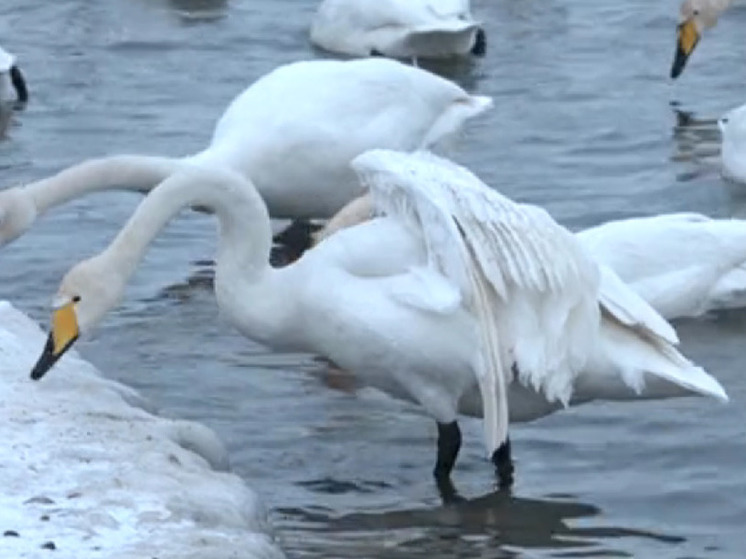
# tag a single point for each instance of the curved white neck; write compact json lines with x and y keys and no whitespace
{"x":248,"y":290}
{"x":131,"y":172}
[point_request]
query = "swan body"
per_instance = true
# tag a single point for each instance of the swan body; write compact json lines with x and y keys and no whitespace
{"x":733,"y":145}
{"x":682,"y":265}
{"x":435,"y":302}
{"x":12,"y":83}
{"x":695,"y":16}
{"x":293,"y":132}
{"x":409,"y":29}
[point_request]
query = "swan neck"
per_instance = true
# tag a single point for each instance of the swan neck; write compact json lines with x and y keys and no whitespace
{"x":244,"y":229}
{"x":129,"y":172}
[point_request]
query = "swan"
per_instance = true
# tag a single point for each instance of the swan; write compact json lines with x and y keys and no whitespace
{"x":681,"y":264}
{"x":733,"y":144}
{"x":457,"y":299}
{"x":694,"y":17}
{"x":293,"y":132}
{"x":409,"y":29}
{"x":12,"y":83}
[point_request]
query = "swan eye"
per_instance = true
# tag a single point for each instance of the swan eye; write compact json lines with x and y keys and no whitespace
{"x":76,"y":298}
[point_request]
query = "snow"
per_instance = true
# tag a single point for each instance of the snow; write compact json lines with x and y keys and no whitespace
{"x":86,"y":468}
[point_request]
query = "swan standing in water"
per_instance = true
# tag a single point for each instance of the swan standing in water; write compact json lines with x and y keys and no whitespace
{"x":293,"y":133}
{"x":694,"y":17}
{"x":733,"y":145}
{"x":683,"y":265}
{"x":399,"y":29}
{"x":12,"y":83}
{"x":457,"y":299}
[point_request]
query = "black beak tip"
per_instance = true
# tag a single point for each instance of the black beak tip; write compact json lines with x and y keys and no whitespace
{"x":46,"y":360}
{"x":480,"y":43}
{"x":678,"y":64}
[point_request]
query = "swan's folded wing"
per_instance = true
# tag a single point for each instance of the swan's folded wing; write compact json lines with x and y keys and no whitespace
{"x":632,"y":310}
{"x":529,"y":284}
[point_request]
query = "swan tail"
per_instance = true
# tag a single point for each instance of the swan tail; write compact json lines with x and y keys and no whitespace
{"x":654,"y":368}
{"x":443,"y":38}
{"x":452,"y":119}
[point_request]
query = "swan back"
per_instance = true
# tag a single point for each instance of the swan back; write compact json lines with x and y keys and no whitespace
{"x":528,"y":282}
{"x":415,"y":28}
{"x":312,"y":118}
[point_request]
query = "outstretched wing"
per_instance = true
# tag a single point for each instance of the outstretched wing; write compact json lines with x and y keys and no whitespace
{"x":527,"y":281}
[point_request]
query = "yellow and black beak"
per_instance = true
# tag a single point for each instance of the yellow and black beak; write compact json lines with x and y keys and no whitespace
{"x":686,"y":39}
{"x":61,"y":338}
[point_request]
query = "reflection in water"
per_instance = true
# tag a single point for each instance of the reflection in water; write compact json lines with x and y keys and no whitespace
{"x":199,"y":10}
{"x":494,"y":522}
{"x":696,"y":140}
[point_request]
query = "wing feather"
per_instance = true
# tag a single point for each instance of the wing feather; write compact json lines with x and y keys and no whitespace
{"x":530,"y":285}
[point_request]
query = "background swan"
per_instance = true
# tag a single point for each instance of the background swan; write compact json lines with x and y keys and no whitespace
{"x":12,"y":83}
{"x":434,"y":302}
{"x":694,"y":17}
{"x":733,"y":145}
{"x":294,"y":132}
{"x":409,"y":29}
{"x":683,"y":265}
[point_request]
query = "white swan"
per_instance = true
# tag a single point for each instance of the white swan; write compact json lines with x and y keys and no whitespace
{"x":436,"y":302}
{"x":733,"y":144}
{"x":683,"y":265}
{"x":694,"y":17}
{"x":399,"y":29}
{"x":12,"y":83}
{"x":293,"y":132}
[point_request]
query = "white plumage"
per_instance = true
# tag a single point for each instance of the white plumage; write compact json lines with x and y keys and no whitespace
{"x":395,"y":28}
{"x":434,"y":302}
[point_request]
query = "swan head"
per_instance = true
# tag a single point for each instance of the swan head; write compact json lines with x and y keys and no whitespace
{"x":733,"y":126}
{"x":694,"y":17}
{"x":86,"y":294}
{"x":17,"y":214}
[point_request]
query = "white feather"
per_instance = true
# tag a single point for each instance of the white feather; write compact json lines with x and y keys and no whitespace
{"x":527,"y":280}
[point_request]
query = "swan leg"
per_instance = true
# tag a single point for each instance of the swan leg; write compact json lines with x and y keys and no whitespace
{"x":449,"y":444}
{"x":503,"y":462}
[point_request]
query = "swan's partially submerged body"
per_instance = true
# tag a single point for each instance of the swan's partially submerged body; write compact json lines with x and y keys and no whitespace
{"x":293,"y":133}
{"x":733,"y":145}
{"x":457,"y":299}
{"x":12,"y":83}
{"x":410,"y":29}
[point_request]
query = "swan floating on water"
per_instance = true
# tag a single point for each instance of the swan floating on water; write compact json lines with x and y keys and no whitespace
{"x":409,"y":29}
{"x":694,"y":17}
{"x":87,"y":472}
{"x":683,"y":264}
{"x":733,"y":145}
{"x":293,"y":132}
{"x":458,"y":299}
{"x":12,"y":83}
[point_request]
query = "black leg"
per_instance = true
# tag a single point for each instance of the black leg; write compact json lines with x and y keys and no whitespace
{"x":503,"y":462}
{"x":449,"y":443}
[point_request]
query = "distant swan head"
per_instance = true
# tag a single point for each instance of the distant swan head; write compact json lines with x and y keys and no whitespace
{"x":694,"y":17}
{"x":17,"y":214}
{"x":733,"y":126}
{"x":87,"y":292}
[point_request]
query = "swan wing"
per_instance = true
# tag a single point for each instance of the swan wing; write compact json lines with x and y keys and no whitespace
{"x":527,"y":281}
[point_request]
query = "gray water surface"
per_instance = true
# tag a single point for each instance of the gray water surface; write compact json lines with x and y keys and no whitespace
{"x":586,"y":123}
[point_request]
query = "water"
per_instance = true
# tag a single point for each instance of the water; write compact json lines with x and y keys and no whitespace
{"x":583,"y":125}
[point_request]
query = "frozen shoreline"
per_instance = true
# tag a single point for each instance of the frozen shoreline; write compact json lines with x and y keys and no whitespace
{"x":84,"y":467}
